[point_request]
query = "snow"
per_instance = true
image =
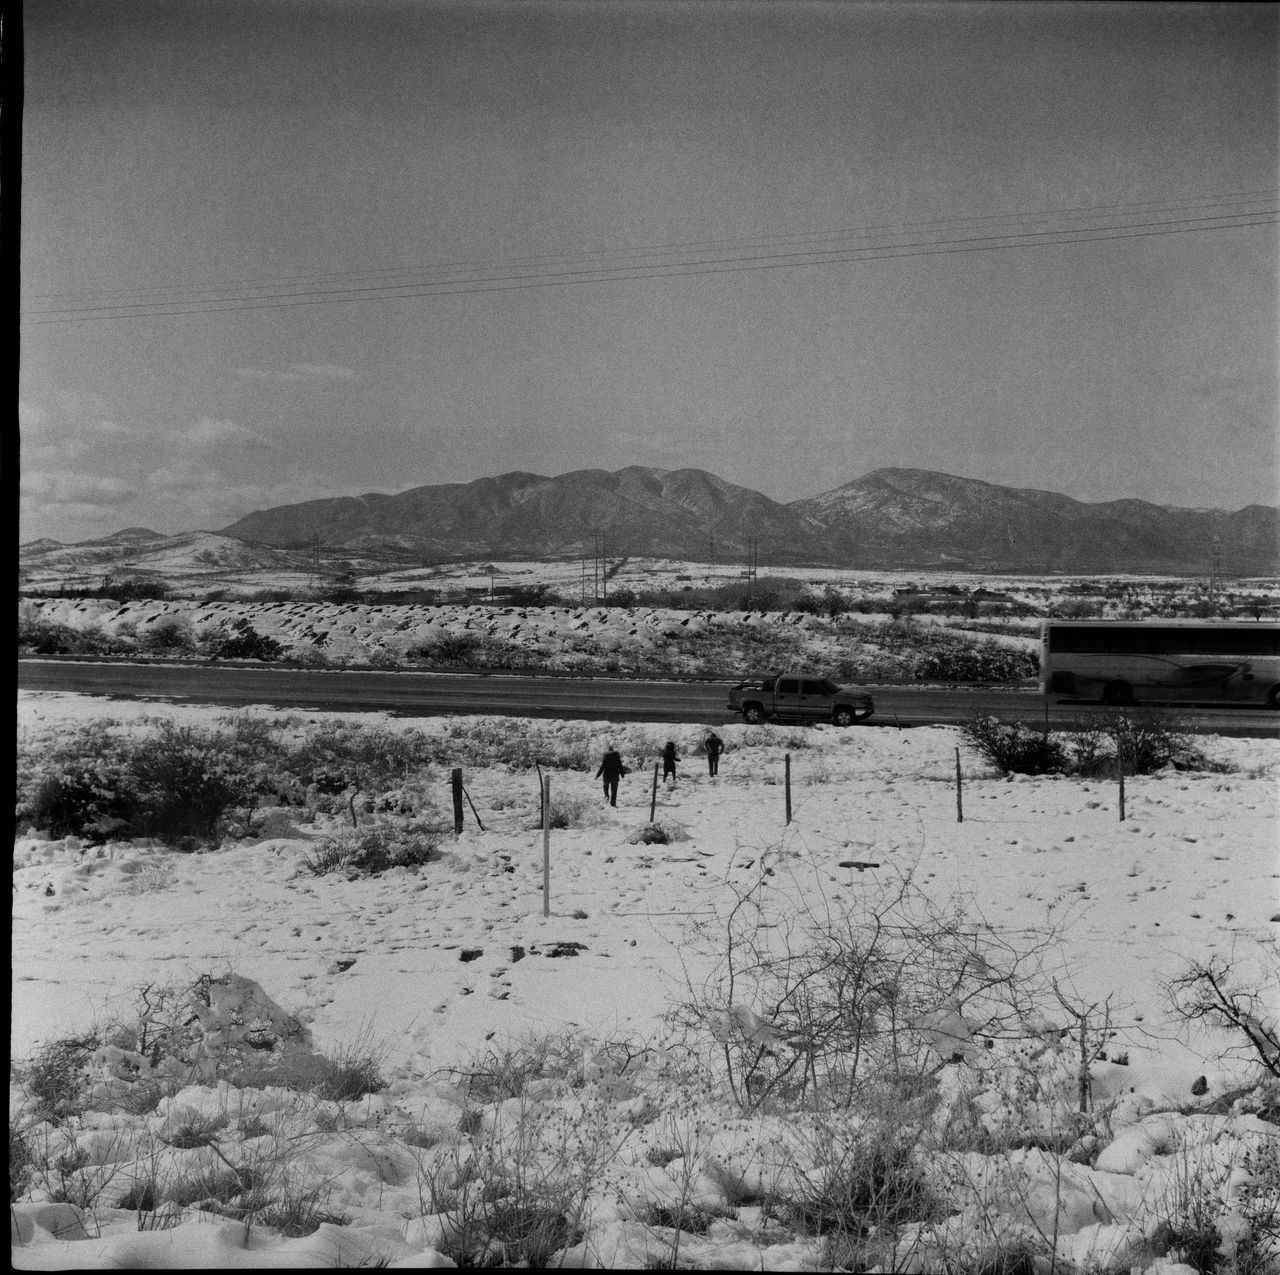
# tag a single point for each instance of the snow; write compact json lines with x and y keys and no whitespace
{"x":1192,"y":871}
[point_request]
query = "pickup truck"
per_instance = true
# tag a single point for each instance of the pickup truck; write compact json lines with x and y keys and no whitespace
{"x":797,"y":697}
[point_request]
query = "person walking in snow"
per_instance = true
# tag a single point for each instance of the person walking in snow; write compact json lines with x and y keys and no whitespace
{"x":714,"y":746}
{"x":669,"y":757}
{"x":611,"y":770}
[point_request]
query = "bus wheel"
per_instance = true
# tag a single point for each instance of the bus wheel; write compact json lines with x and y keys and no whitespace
{"x":1117,"y":693}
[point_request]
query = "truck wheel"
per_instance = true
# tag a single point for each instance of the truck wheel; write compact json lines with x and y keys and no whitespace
{"x":1273,"y":696}
{"x":753,"y":714}
{"x":1117,"y":693}
{"x":843,"y":717}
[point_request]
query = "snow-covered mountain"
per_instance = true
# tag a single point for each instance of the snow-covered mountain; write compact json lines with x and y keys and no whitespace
{"x":135,"y":553}
{"x":655,"y":512}
{"x":888,"y":519}
{"x":914,"y":517}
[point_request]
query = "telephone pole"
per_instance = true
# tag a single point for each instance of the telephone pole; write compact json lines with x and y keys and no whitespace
{"x":600,"y":565}
{"x":1216,"y":584}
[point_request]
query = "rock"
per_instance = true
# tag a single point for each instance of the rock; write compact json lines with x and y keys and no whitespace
{"x":1200,"y":1086}
{"x":276,"y":823}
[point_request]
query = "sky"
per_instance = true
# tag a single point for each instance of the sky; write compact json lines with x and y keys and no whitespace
{"x":279,"y":250}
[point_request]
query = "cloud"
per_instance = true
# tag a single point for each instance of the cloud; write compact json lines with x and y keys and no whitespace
{"x":328,"y":371}
{"x":71,"y":488}
{"x":183,"y":476}
{"x":207,"y":432}
{"x":208,"y":497}
{"x":76,"y":421}
{"x":298,"y":372}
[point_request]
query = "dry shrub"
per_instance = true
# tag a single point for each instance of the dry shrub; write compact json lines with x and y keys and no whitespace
{"x":1013,"y":748}
{"x":378,"y":846}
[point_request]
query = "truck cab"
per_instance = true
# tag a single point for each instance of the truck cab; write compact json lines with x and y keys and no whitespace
{"x":799,"y":697}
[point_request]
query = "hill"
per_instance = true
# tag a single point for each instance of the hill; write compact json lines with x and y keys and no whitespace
{"x":659,"y":513}
{"x":913,"y":517}
{"x":890,"y":518}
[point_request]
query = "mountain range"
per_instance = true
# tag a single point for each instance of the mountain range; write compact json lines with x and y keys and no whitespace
{"x":890,"y":518}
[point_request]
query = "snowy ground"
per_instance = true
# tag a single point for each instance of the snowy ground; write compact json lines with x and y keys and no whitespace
{"x":438,"y":965}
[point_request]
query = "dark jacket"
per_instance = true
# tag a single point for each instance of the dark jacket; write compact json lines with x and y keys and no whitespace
{"x":714,"y":745}
{"x":611,"y":767}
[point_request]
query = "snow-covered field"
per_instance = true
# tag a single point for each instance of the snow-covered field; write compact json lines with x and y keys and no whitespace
{"x":438,"y":967}
{"x":651,"y":641}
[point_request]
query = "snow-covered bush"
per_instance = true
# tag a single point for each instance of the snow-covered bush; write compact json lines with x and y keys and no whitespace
{"x":174,"y":783}
{"x":378,"y":846}
{"x":168,"y":634}
{"x":867,"y":1181}
{"x":77,"y":783}
{"x":1013,"y":748}
{"x":904,"y":650}
{"x":1148,"y":739}
{"x":38,"y":636}
{"x":960,"y":661}
{"x":239,"y":641}
{"x":449,"y":649}
{"x":807,"y":1003}
{"x":1211,"y":990}
{"x":185,"y":783}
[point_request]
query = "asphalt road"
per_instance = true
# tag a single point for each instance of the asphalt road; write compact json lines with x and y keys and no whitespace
{"x":413,"y":694}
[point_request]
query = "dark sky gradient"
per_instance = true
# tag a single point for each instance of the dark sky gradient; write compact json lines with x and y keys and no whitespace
{"x":170,"y":146}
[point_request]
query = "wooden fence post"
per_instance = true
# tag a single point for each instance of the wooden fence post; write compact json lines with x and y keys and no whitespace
{"x":1120,"y":776}
{"x":456,"y":780}
{"x":546,"y":845}
{"x":786,"y":769}
{"x":959,"y":796}
{"x":653,"y":798}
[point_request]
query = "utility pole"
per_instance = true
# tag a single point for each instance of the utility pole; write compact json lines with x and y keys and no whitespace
{"x":315,"y":560}
{"x":600,"y":565}
{"x":1216,"y":584}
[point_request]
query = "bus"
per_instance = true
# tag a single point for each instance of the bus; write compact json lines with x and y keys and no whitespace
{"x":1161,"y":661}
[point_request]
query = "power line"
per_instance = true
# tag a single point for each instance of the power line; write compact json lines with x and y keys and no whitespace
{"x":446,"y":268}
{"x":673,"y":269}
{"x":1148,"y":207}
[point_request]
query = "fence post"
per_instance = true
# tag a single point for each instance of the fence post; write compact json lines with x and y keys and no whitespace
{"x":546,"y":845}
{"x":786,"y":768}
{"x":456,"y":781}
{"x":1120,"y":776}
{"x":653,"y":798}
{"x":959,"y":796}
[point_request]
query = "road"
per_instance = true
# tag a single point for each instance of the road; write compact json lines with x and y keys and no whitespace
{"x":414,"y":694}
